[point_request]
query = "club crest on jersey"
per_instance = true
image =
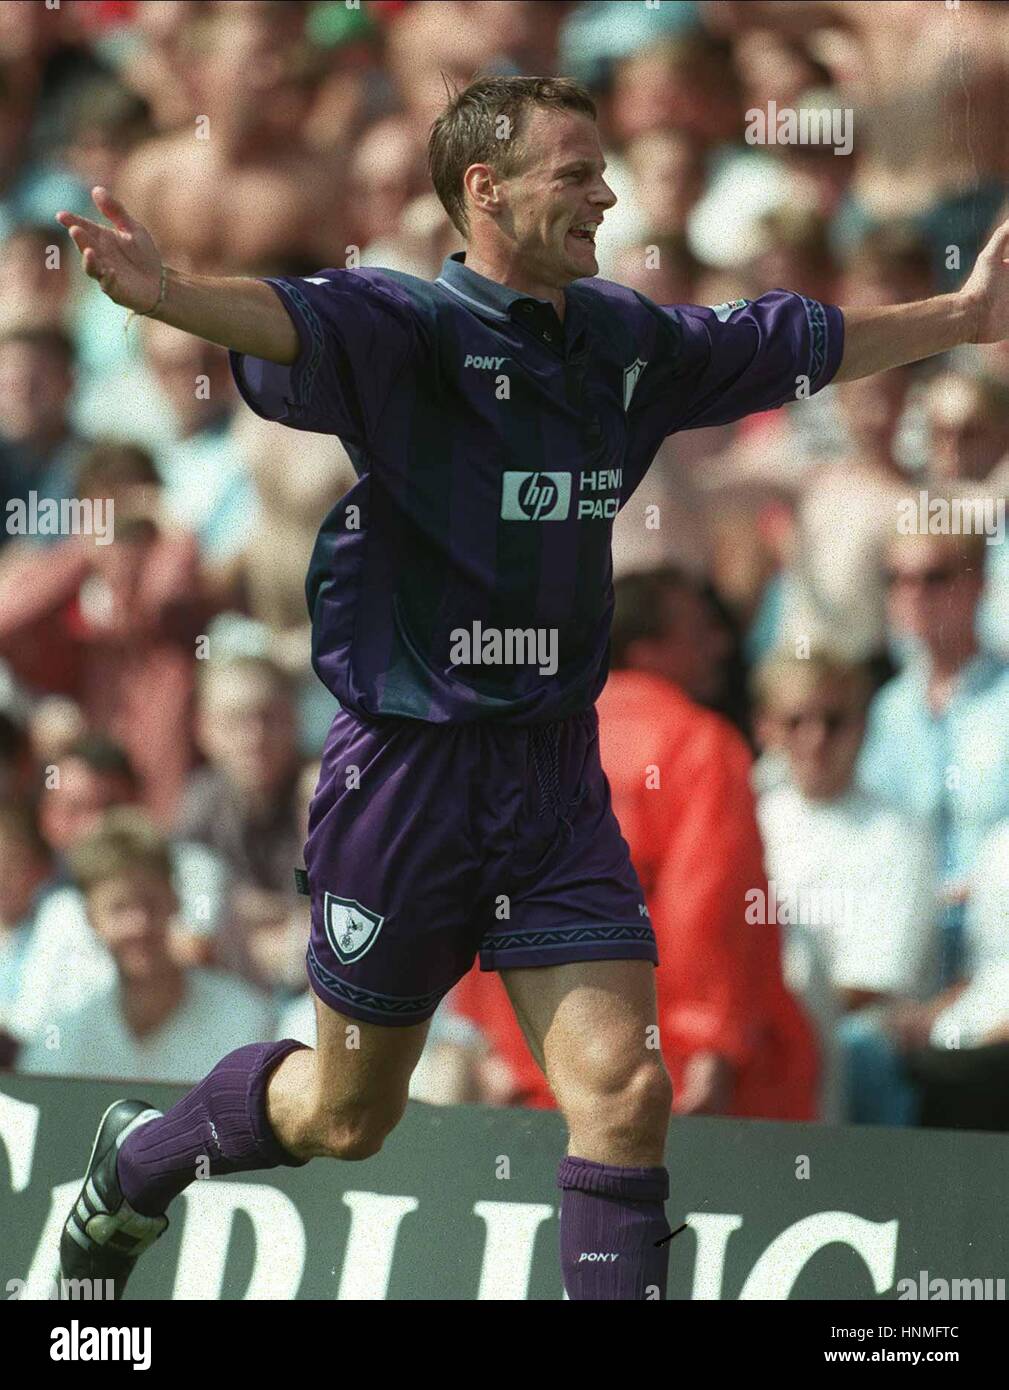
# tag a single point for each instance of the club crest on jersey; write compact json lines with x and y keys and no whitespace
{"x":631,"y":375}
{"x":350,"y":928}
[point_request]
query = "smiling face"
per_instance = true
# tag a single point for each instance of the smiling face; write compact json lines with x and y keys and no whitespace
{"x":543,"y":219}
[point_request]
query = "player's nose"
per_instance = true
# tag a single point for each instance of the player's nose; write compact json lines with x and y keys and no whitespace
{"x":604,"y":196}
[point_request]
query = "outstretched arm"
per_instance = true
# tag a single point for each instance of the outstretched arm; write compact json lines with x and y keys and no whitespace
{"x":875,"y":339}
{"x":235,"y":311}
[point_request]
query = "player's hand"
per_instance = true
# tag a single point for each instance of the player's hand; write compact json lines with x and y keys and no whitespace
{"x":122,"y":258}
{"x":986,"y":292}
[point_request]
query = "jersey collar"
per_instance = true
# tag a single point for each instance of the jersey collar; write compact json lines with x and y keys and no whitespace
{"x":501,"y":303}
{"x":482,"y":295}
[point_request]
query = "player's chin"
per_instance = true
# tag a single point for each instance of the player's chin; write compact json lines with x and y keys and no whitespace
{"x":580,"y":255}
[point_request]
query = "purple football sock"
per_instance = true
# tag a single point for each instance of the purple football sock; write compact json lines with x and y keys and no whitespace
{"x":611,"y":1219}
{"x":222,"y":1120}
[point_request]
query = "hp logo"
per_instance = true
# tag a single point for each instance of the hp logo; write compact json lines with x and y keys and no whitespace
{"x":535,"y":496}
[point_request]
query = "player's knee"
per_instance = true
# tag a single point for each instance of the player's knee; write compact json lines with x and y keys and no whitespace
{"x":652,"y":1090}
{"x":628,"y":1094}
{"x":611,"y":1065}
{"x":646,"y":1097}
{"x":358,"y":1133}
{"x":358,"y":1143}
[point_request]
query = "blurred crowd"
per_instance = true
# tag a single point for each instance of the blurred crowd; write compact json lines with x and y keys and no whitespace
{"x":807,"y":725}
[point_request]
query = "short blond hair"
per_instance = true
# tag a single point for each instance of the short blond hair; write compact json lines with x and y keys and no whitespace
{"x":125,"y":842}
{"x":820,"y":667}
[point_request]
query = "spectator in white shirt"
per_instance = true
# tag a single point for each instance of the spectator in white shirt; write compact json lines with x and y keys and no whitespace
{"x":64,"y":961}
{"x":856,"y":879}
{"x":158,"y":1020}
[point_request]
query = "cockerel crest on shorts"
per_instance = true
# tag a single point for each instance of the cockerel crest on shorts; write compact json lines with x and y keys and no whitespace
{"x":350,"y":928}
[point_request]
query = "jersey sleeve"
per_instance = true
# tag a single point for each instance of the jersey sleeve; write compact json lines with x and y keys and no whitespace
{"x":355,"y":333}
{"x":751,"y":355}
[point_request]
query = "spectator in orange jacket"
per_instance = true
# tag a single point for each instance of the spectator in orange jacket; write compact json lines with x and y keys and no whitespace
{"x":733,"y":1038}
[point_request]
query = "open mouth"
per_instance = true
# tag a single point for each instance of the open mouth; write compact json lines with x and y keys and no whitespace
{"x":584,"y":232}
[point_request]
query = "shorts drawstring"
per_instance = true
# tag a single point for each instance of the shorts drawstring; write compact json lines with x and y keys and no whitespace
{"x":544,"y":744}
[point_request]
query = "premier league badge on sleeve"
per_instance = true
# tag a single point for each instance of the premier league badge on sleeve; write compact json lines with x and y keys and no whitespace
{"x":350,"y":928}
{"x":722,"y":311}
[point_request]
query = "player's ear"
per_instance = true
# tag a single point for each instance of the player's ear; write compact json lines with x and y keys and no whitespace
{"x":483,"y":188}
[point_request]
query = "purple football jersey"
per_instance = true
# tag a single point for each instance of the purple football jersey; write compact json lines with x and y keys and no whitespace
{"x":467,"y":574}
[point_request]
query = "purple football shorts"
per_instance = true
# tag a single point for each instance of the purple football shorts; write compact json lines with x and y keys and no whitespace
{"x":430,"y":843}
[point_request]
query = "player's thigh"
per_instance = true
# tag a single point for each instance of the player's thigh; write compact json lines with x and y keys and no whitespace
{"x":363,"y":1066}
{"x":588,"y":1023}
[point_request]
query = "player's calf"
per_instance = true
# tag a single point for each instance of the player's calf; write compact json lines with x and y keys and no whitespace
{"x":358,"y":1091}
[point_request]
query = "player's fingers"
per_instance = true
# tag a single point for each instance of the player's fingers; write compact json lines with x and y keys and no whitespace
{"x":94,"y":239}
{"x":81,"y":236}
{"x":113,"y":209}
{"x":80,"y":239}
{"x":73,"y":222}
{"x":95,"y":270}
{"x":83,"y":240}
